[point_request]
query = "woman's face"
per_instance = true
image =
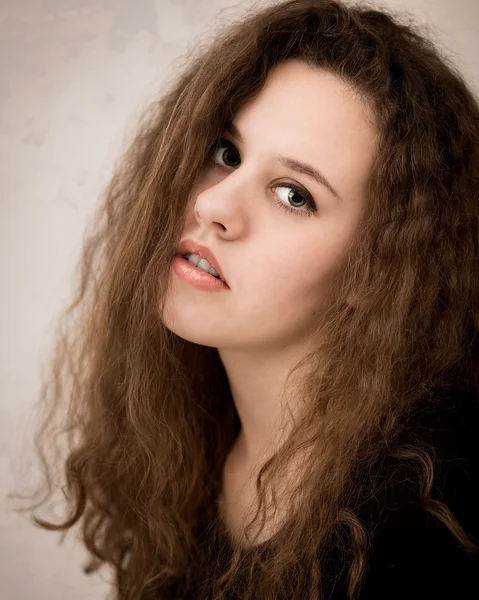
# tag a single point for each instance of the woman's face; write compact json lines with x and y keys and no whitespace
{"x":279,"y":234}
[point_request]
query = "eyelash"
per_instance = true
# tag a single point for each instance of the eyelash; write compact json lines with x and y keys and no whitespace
{"x":311,"y":207}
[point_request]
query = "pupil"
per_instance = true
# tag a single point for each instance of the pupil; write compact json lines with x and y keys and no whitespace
{"x":292,"y":200}
{"x":225,"y":153}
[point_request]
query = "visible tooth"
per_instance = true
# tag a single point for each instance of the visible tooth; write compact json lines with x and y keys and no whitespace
{"x":193,"y":258}
{"x":204,"y":264}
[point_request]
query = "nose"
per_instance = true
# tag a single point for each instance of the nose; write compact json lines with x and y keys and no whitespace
{"x":223,"y":204}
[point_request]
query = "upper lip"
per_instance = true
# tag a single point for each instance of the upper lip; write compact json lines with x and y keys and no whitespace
{"x":192,"y":247}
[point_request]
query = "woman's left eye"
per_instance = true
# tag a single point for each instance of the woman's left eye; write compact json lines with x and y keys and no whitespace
{"x":224,"y":149}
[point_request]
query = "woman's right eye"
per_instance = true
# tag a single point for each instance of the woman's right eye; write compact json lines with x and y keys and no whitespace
{"x":224,"y":152}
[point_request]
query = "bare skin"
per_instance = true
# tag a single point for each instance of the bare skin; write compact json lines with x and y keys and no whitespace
{"x":237,"y":501}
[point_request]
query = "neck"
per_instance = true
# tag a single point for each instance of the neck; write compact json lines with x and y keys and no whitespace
{"x":258,"y":387}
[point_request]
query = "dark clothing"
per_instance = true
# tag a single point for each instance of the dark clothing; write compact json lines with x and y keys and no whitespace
{"x":413,"y":555}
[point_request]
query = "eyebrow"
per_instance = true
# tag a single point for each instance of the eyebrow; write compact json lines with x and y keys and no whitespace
{"x":293,"y":164}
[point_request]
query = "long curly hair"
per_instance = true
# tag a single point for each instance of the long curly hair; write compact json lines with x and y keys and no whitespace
{"x":139,"y":421}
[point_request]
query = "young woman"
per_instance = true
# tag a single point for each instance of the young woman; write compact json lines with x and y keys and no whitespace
{"x":270,"y":367}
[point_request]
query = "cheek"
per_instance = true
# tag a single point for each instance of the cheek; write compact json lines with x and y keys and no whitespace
{"x":288,"y":284}
{"x":298,"y":284}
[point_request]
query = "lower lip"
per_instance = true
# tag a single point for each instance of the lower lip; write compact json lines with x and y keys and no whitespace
{"x":197,"y":277}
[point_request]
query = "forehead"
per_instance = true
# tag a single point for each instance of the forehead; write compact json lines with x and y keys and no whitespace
{"x":304,"y":93}
{"x":312,"y":115}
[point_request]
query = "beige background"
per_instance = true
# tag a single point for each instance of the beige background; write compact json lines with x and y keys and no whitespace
{"x":74,"y":76}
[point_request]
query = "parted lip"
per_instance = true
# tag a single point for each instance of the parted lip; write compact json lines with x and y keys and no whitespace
{"x":192,"y":247}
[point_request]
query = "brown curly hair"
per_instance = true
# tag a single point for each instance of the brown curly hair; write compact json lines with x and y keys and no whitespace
{"x":146,"y":432}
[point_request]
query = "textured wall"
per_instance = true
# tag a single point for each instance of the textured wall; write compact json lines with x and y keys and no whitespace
{"x":75,"y":75}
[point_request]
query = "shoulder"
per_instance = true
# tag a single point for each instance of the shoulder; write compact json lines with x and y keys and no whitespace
{"x":413,"y":554}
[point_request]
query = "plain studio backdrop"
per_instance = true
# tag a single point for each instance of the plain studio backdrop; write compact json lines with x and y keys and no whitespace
{"x":75,"y":76}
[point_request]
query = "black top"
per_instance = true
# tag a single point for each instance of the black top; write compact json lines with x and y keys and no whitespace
{"x":413,"y":555}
